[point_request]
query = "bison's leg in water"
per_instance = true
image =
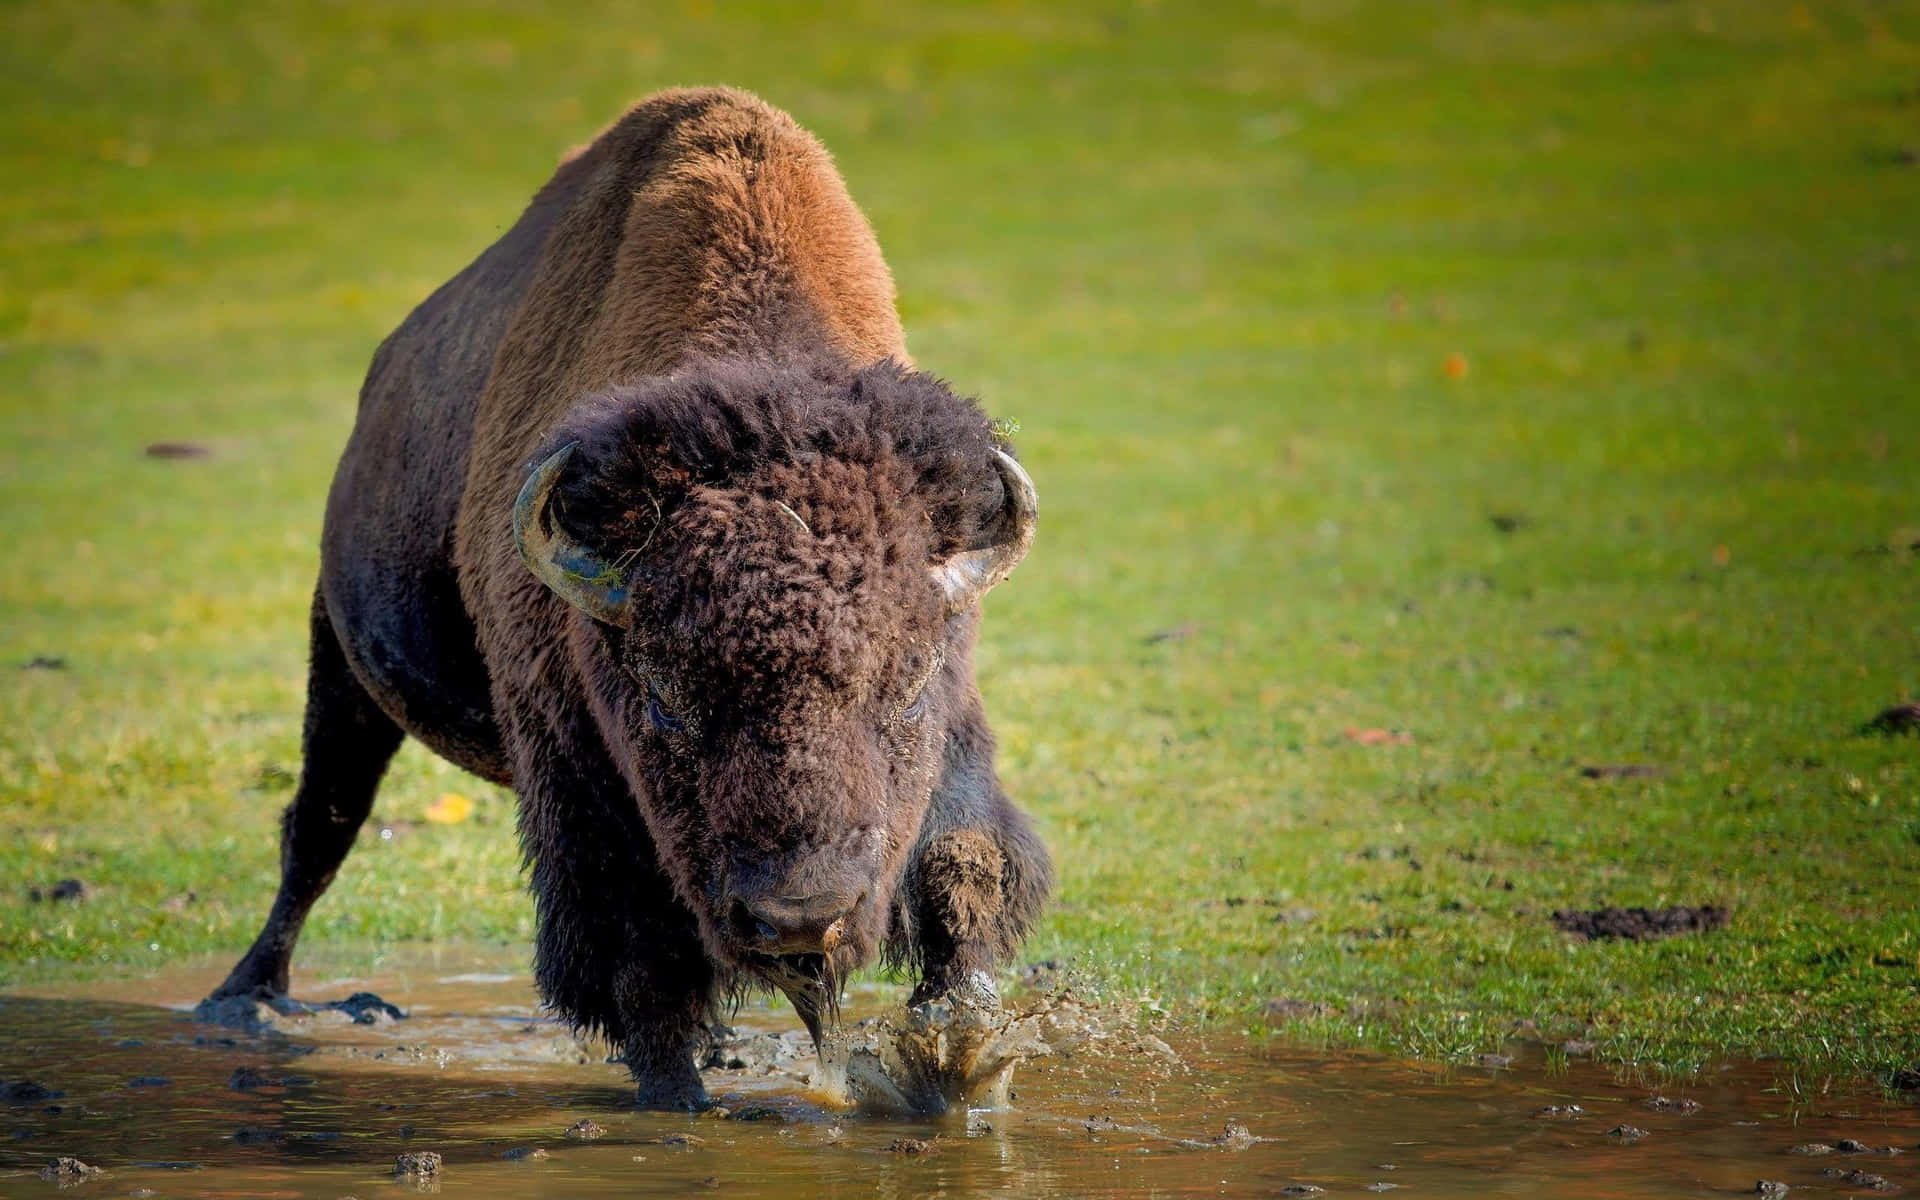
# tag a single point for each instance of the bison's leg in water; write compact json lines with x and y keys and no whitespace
{"x":614,"y":950}
{"x":347,"y":744}
{"x":643,"y":982}
{"x":663,"y":991}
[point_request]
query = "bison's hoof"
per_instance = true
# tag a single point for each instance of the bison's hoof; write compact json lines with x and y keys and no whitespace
{"x":969,"y":994}
{"x":976,"y":991}
{"x":672,"y":1097}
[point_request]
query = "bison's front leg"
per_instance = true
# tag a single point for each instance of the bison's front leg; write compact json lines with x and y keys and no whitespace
{"x":975,"y":892}
{"x":978,"y":877}
{"x":961,"y":917}
{"x":968,"y":897}
{"x":614,"y":951}
{"x":615,"y":956}
{"x":666,"y":1013}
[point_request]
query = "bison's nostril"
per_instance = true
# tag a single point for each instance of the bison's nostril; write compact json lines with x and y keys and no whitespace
{"x":750,"y":927}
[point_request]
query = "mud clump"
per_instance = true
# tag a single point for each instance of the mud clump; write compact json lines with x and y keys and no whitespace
{"x":1842,"y":1146}
{"x":756,"y":1052}
{"x":177,"y":451}
{"x":364,"y":1007}
{"x":1640,"y":924}
{"x":256,"y":1135}
{"x":70,"y":891}
{"x":256,"y":1014}
{"x":417,"y":1164}
{"x":1619,"y":771}
{"x":26,"y":1091}
{"x":65,"y":1170}
{"x":1859,"y":1179}
{"x":242,"y":1014}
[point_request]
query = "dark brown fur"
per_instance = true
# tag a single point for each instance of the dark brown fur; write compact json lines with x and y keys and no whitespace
{"x":696,"y":305}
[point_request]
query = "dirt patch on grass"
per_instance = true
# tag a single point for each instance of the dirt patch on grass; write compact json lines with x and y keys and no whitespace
{"x":178,"y":450}
{"x":1892,"y":722}
{"x":66,"y":889}
{"x":1640,"y":924}
{"x":1619,"y":771}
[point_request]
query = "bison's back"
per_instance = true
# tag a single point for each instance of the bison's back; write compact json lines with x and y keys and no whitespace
{"x":387,"y":571}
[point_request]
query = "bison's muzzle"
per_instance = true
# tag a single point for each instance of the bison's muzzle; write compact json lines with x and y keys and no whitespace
{"x":788,"y":925}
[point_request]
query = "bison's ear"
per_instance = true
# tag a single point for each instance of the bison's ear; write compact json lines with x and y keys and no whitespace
{"x":971,"y":574}
{"x":581,"y":577}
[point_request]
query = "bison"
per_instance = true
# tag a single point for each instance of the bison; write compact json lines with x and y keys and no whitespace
{"x":646,"y":515}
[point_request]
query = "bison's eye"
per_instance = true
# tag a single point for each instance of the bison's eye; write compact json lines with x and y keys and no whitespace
{"x":917,"y":707}
{"x":914,"y":706}
{"x":658,"y":712}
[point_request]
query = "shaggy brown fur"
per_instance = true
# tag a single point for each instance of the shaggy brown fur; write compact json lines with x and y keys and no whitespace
{"x":789,"y":730}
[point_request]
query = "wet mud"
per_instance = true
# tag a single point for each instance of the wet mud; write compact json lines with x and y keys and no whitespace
{"x":477,"y":1091}
{"x":1641,"y":924}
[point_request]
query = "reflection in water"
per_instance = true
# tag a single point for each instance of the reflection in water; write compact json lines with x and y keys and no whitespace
{"x":322,"y":1106}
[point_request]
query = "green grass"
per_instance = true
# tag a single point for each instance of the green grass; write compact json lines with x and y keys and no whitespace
{"x":1214,"y":259}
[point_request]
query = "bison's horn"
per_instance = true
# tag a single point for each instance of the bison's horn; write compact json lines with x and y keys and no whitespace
{"x":972,"y":574}
{"x":581,"y":577}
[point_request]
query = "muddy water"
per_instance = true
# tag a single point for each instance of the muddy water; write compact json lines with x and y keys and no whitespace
{"x":322,"y":1107}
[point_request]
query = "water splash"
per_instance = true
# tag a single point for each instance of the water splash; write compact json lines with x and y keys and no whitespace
{"x":956,"y":1052}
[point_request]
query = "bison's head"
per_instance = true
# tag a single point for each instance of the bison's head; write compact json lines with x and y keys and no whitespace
{"x":782,"y":566}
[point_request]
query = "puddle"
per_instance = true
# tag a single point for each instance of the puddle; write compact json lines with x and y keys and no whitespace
{"x":323,"y":1106}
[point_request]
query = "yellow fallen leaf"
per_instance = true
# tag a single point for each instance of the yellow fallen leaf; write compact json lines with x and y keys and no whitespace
{"x":450,"y":809}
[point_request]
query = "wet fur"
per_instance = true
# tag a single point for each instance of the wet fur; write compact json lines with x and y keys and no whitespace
{"x":695,"y":301}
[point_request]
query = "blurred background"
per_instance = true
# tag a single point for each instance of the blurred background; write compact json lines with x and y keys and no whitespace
{"x":1435,"y":408}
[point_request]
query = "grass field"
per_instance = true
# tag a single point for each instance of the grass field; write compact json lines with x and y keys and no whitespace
{"x":1537,"y":381}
